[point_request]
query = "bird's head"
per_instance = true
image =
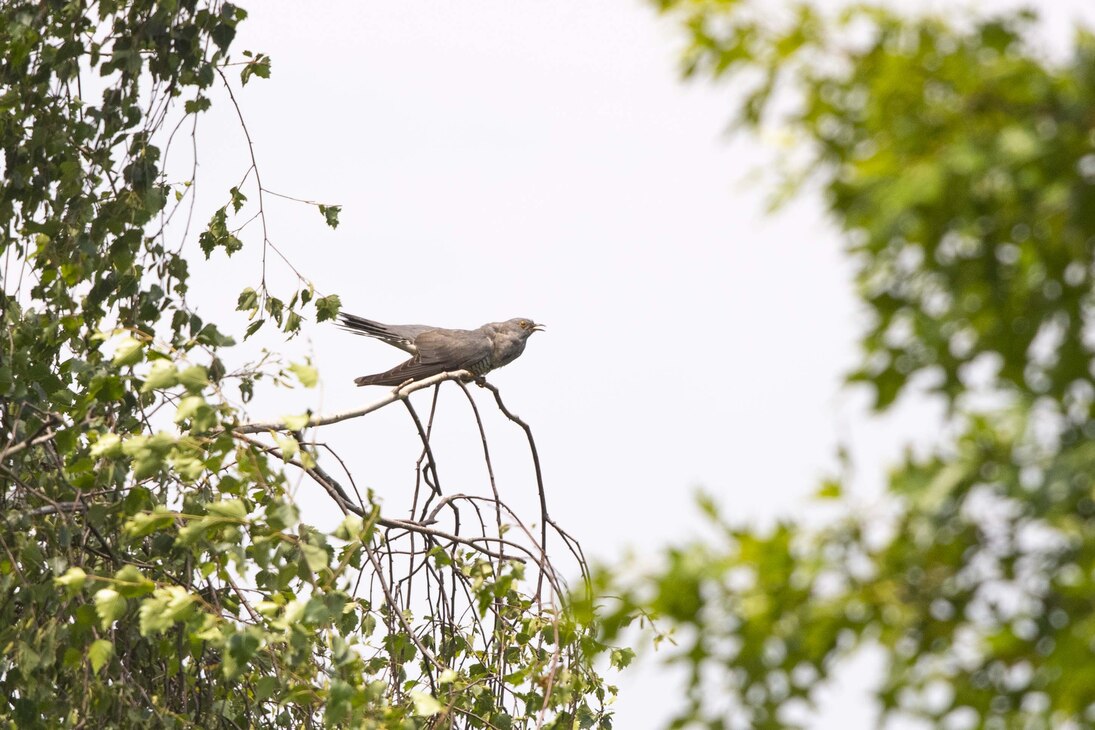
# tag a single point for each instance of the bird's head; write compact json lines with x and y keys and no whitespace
{"x":524,"y":326}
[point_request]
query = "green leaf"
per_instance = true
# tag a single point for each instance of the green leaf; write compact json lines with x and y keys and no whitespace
{"x":440,"y":556}
{"x":194,"y":378}
{"x":73,"y":580}
{"x":282,"y":515}
{"x":146,"y":523}
{"x":99,"y":653}
{"x":314,"y":556}
{"x":621,"y":658}
{"x":254,"y":327}
{"x":188,"y":406}
{"x":233,"y":508}
{"x":108,"y":445}
{"x":109,"y":606}
{"x":259,"y":66}
{"x":196,"y":105}
{"x":148,"y":452}
{"x":265,"y":687}
{"x":237,"y":199}
{"x":330,"y":214}
{"x":316,"y":612}
{"x":306,"y":374}
{"x":241,"y":648}
{"x":193,"y":531}
{"x":217,"y":235}
{"x":288,"y":446}
{"x":165,"y":607}
{"x":189,"y":467}
{"x":211,"y":336}
{"x":201,"y":415}
{"x":275,"y":308}
{"x":425,"y":705}
{"x":248,"y":300}
{"x":350,"y":528}
{"x":293,"y":321}
{"x":131,"y":583}
{"x":296,"y":423}
{"x":164,"y":374}
{"x":128,"y":352}
{"x":328,"y":307}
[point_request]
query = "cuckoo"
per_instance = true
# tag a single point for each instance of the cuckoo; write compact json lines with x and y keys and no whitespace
{"x":437,"y":350}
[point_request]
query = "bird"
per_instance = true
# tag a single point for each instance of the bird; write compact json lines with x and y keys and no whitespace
{"x":437,"y":350}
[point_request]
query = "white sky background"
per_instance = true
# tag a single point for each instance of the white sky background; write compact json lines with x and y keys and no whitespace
{"x":541,"y":158}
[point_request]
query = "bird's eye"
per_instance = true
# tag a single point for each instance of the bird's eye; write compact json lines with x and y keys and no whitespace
{"x":524,"y":324}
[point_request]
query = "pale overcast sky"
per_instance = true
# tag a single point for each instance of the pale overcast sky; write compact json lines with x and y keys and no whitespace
{"x":541,"y":158}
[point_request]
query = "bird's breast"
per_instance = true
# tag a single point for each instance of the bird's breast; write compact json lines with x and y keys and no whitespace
{"x":506,"y":351}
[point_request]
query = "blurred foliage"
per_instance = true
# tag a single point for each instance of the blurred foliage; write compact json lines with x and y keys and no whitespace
{"x":154,"y":571}
{"x":958,"y":160}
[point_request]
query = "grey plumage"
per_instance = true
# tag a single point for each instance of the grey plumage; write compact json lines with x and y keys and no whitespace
{"x":438,"y":350}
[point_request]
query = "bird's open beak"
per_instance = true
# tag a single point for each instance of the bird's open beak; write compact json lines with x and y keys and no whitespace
{"x":538,"y":328}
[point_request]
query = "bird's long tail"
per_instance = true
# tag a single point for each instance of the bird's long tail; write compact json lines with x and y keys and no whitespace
{"x":367,"y":327}
{"x":386,"y":378}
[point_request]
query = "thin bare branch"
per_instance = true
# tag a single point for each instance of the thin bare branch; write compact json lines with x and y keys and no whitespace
{"x":396,"y":394}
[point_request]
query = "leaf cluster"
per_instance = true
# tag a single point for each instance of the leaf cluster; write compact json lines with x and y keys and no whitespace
{"x":154,"y":570}
{"x":957,"y":161}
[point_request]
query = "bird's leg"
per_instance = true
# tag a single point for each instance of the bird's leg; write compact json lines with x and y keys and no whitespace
{"x":481,"y":381}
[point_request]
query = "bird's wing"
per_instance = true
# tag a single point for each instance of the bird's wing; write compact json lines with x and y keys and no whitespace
{"x":452,"y":349}
{"x":412,"y":369}
{"x":439,"y":351}
{"x":398,"y":335}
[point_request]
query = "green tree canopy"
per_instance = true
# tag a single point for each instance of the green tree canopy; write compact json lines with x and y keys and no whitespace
{"x":154,"y":571}
{"x":957,"y":158}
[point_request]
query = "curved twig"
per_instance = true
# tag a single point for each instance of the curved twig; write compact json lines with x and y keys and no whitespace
{"x":396,"y":394}
{"x":539,"y":473}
